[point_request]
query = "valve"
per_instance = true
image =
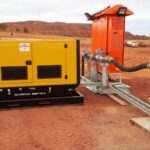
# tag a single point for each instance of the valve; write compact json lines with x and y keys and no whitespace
{"x":86,"y":54}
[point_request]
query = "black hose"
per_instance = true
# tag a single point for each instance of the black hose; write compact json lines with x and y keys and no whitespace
{"x":130,"y":69}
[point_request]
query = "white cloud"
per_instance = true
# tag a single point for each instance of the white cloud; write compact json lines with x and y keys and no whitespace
{"x":73,"y":11}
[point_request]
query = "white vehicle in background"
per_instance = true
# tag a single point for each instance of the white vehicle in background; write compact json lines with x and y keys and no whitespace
{"x":135,"y":44}
{"x":141,"y":44}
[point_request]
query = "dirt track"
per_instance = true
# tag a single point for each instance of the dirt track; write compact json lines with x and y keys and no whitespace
{"x":99,"y":124}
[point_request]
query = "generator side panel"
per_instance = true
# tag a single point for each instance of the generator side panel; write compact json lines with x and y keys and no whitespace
{"x":14,"y":59}
{"x":49,"y":62}
{"x":55,"y":63}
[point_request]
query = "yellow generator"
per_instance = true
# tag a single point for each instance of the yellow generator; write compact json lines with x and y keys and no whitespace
{"x":39,"y":72}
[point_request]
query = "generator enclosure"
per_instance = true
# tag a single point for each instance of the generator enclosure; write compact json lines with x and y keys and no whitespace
{"x":38,"y":68}
{"x":108,"y":29}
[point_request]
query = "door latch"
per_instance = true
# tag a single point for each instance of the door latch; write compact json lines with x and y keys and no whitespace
{"x":28,"y":62}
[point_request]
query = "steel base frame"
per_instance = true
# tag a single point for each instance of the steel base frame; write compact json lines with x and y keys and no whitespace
{"x":97,"y":87}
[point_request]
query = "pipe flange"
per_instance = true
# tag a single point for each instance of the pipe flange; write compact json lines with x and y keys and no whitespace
{"x":148,"y":65}
{"x":110,"y":59}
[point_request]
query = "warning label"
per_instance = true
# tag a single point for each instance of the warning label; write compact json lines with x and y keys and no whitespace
{"x":24,"y":47}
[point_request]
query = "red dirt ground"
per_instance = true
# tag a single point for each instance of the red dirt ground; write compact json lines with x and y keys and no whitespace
{"x":99,"y":124}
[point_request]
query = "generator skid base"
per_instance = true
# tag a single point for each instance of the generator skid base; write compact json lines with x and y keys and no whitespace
{"x":26,"y":98}
{"x":9,"y":104}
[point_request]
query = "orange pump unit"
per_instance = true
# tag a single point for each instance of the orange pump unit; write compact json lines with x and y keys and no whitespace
{"x":108,"y":30}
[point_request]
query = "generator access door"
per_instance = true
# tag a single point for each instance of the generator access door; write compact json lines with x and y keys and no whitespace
{"x":15,"y":62}
{"x":49,"y":62}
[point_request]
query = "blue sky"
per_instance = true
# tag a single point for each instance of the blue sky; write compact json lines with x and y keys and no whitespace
{"x":73,"y":11}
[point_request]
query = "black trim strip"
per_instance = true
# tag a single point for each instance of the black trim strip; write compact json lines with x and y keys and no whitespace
{"x":82,"y":66}
{"x":78,"y":61}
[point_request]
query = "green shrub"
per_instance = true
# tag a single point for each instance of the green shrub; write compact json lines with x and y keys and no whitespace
{"x":3,"y":27}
